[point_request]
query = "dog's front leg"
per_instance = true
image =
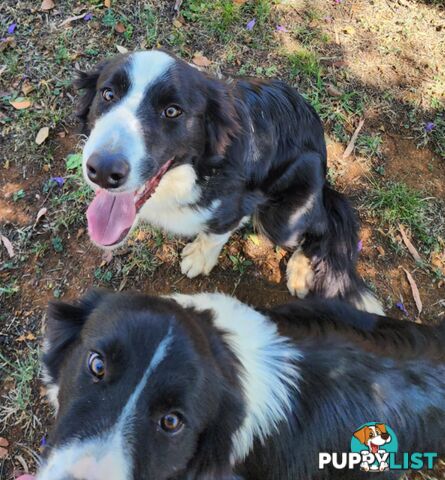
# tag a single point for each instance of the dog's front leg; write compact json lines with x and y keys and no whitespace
{"x":201,"y":255}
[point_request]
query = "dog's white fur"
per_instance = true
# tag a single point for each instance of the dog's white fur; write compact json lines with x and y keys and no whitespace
{"x":369,"y":303}
{"x":270,"y":374}
{"x":201,"y":255}
{"x":106,"y":456}
{"x":171,"y":205}
{"x":121,"y":126}
{"x":299,"y":274}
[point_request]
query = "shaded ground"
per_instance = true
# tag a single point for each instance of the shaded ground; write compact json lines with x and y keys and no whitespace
{"x":380,"y":61}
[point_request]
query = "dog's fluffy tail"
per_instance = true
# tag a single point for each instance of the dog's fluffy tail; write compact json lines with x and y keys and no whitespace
{"x":334,"y":255}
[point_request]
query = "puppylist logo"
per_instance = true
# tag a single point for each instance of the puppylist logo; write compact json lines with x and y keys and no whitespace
{"x":374,"y":448}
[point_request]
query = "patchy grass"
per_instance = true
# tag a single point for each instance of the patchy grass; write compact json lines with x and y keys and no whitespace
{"x":395,"y":203}
{"x":17,"y":406}
{"x":369,"y":145}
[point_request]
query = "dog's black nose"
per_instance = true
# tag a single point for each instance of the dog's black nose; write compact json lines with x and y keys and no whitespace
{"x":385,"y":436}
{"x":108,"y":170}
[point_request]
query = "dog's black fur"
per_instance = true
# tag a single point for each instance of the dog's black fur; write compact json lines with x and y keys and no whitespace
{"x":355,"y":368}
{"x":259,"y":148}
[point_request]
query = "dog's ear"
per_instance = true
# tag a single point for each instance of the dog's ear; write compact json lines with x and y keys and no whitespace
{"x":213,"y":458}
{"x":381,"y":427}
{"x":362,"y":435}
{"x":63,"y":327}
{"x":222,"y":121}
{"x":87,"y":82}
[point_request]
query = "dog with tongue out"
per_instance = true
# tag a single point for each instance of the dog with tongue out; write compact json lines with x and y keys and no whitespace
{"x":198,"y":156}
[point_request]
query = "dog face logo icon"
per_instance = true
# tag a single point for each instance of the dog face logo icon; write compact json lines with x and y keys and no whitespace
{"x":375,"y":441}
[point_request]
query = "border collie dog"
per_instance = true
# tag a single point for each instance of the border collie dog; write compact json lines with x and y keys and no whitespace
{"x":198,"y":156}
{"x":205,"y":387}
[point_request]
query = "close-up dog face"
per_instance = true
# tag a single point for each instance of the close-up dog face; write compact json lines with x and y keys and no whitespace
{"x":146,"y":113}
{"x":137,"y":396}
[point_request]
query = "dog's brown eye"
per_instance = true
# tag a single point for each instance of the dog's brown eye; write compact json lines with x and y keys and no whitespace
{"x":107,"y":94}
{"x":173,"y":111}
{"x":371,"y":435}
{"x":96,"y":365}
{"x":171,"y":423}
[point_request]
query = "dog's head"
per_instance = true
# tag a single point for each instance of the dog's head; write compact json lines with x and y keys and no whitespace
{"x":373,"y":436}
{"x":140,"y":390}
{"x":146,"y":112}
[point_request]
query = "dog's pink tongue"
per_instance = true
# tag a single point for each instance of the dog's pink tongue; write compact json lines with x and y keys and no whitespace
{"x":110,"y":216}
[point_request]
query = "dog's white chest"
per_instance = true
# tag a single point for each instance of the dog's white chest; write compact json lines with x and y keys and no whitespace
{"x":172,"y":205}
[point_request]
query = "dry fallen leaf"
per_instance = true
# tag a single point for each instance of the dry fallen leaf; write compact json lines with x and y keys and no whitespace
{"x":333,"y":91}
{"x":40,"y":214}
{"x":107,"y":3}
{"x":21,"y":103}
{"x":414,"y":291}
{"x":240,"y":2}
{"x":47,"y":5}
{"x":177,"y":23}
{"x":27,"y":88}
{"x":200,"y":60}
{"x":28,"y":336}
{"x":121,"y":49}
{"x":42,"y":135}
{"x":3,"y":453}
{"x":438,"y":261}
{"x":8,"y":245}
{"x":119,"y":27}
{"x":4,"y":442}
{"x":381,"y":250}
{"x":409,"y":245}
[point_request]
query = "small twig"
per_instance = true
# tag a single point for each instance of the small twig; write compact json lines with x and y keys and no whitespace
{"x":177,"y":6}
{"x":73,"y":19}
{"x":351,"y":144}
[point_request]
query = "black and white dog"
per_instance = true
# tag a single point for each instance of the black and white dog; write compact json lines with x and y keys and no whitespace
{"x":205,"y":387}
{"x":198,"y":156}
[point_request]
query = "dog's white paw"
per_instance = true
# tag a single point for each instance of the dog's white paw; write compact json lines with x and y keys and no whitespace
{"x":299,"y":274}
{"x":383,"y":466}
{"x":201,"y":255}
{"x":364,"y":466}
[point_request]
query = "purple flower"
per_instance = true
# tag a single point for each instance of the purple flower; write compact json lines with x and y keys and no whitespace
{"x":429,"y":126}
{"x":359,"y":246}
{"x":59,"y":180}
{"x":251,"y":24}
{"x":401,"y":307}
{"x":338,"y":1}
{"x":43,"y":442}
{"x":281,"y":28}
{"x":12,"y":28}
{"x":88,"y":17}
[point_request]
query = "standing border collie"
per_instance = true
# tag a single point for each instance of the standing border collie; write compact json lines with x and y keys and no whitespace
{"x":204,"y":387}
{"x":197,"y":156}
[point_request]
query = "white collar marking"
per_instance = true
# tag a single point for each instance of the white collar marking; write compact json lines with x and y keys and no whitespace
{"x":270,"y":376}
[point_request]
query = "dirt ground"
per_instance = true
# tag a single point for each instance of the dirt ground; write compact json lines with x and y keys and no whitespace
{"x":380,"y":61}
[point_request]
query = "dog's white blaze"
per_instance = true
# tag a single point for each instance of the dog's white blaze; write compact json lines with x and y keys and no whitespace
{"x":270,"y":375}
{"x":106,"y":456}
{"x":120,"y":128}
